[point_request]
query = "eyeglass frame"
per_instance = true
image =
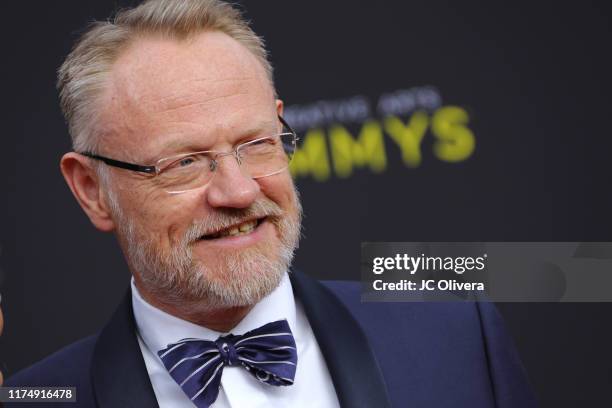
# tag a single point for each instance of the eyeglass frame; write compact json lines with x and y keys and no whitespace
{"x":154,"y":171}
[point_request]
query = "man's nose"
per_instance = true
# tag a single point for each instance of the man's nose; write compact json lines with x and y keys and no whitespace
{"x":231,"y":186}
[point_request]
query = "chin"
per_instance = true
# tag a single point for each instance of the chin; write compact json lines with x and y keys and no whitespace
{"x":238,"y":278}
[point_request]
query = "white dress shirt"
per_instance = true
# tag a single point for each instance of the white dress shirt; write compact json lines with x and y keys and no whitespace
{"x":313,"y":385}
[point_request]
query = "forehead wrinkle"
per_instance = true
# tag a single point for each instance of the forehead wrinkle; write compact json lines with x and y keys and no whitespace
{"x":180,"y":100}
{"x":198,"y":104}
{"x":174,"y":96}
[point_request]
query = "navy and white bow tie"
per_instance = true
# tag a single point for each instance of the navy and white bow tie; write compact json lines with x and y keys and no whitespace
{"x":268,"y":353}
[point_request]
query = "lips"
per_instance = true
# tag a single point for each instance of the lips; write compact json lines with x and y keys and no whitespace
{"x":243,"y":228}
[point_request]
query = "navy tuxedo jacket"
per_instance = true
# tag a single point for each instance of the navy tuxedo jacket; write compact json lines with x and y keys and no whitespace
{"x":378,"y":354}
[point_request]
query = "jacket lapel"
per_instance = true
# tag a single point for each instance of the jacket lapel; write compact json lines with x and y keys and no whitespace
{"x":119,"y":374}
{"x":357,"y":377}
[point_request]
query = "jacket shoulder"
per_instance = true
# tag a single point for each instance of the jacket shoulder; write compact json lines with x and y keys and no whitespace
{"x":445,"y":341}
{"x":68,"y":367}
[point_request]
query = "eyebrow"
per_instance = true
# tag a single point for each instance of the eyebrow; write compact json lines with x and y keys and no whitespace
{"x":179,"y":146}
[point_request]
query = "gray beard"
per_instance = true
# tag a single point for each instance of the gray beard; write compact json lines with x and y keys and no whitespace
{"x":240,"y":279}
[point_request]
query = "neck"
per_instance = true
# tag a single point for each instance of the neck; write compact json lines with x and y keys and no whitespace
{"x":221,"y":320}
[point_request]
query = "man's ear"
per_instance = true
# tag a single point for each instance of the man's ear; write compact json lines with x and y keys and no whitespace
{"x":279,"y":107}
{"x":85,"y":185}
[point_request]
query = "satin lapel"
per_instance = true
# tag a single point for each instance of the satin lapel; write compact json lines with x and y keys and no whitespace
{"x":119,"y":373}
{"x":355,"y":372}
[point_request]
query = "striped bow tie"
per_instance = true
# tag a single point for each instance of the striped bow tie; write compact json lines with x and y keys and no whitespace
{"x":268,"y":353}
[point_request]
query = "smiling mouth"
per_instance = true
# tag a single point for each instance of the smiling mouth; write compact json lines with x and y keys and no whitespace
{"x":235,"y":230}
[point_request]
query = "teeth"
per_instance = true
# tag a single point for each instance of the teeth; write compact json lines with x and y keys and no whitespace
{"x":247,"y":226}
{"x":241,"y":229}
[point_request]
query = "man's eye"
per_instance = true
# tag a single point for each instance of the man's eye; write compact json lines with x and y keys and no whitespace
{"x":186,"y":161}
{"x":260,"y":142}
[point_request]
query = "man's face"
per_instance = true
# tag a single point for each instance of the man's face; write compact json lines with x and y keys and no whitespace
{"x":169,"y":97}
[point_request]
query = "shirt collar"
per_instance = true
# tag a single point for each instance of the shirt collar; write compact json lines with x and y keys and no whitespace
{"x":158,"y":329}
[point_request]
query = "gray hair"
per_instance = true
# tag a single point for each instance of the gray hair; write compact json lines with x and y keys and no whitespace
{"x":83,"y":76}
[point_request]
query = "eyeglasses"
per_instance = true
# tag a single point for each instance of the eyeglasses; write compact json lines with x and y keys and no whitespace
{"x":261,"y":157}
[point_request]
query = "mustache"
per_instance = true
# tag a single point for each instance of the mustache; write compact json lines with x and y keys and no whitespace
{"x":224,"y":218}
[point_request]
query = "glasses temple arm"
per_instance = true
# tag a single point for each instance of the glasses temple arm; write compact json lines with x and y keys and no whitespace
{"x":121,"y":164}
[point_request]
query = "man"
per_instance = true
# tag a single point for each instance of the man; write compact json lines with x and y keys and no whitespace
{"x":180,"y":149}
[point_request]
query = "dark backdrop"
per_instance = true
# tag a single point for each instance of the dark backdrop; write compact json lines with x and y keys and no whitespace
{"x":533,"y":80}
